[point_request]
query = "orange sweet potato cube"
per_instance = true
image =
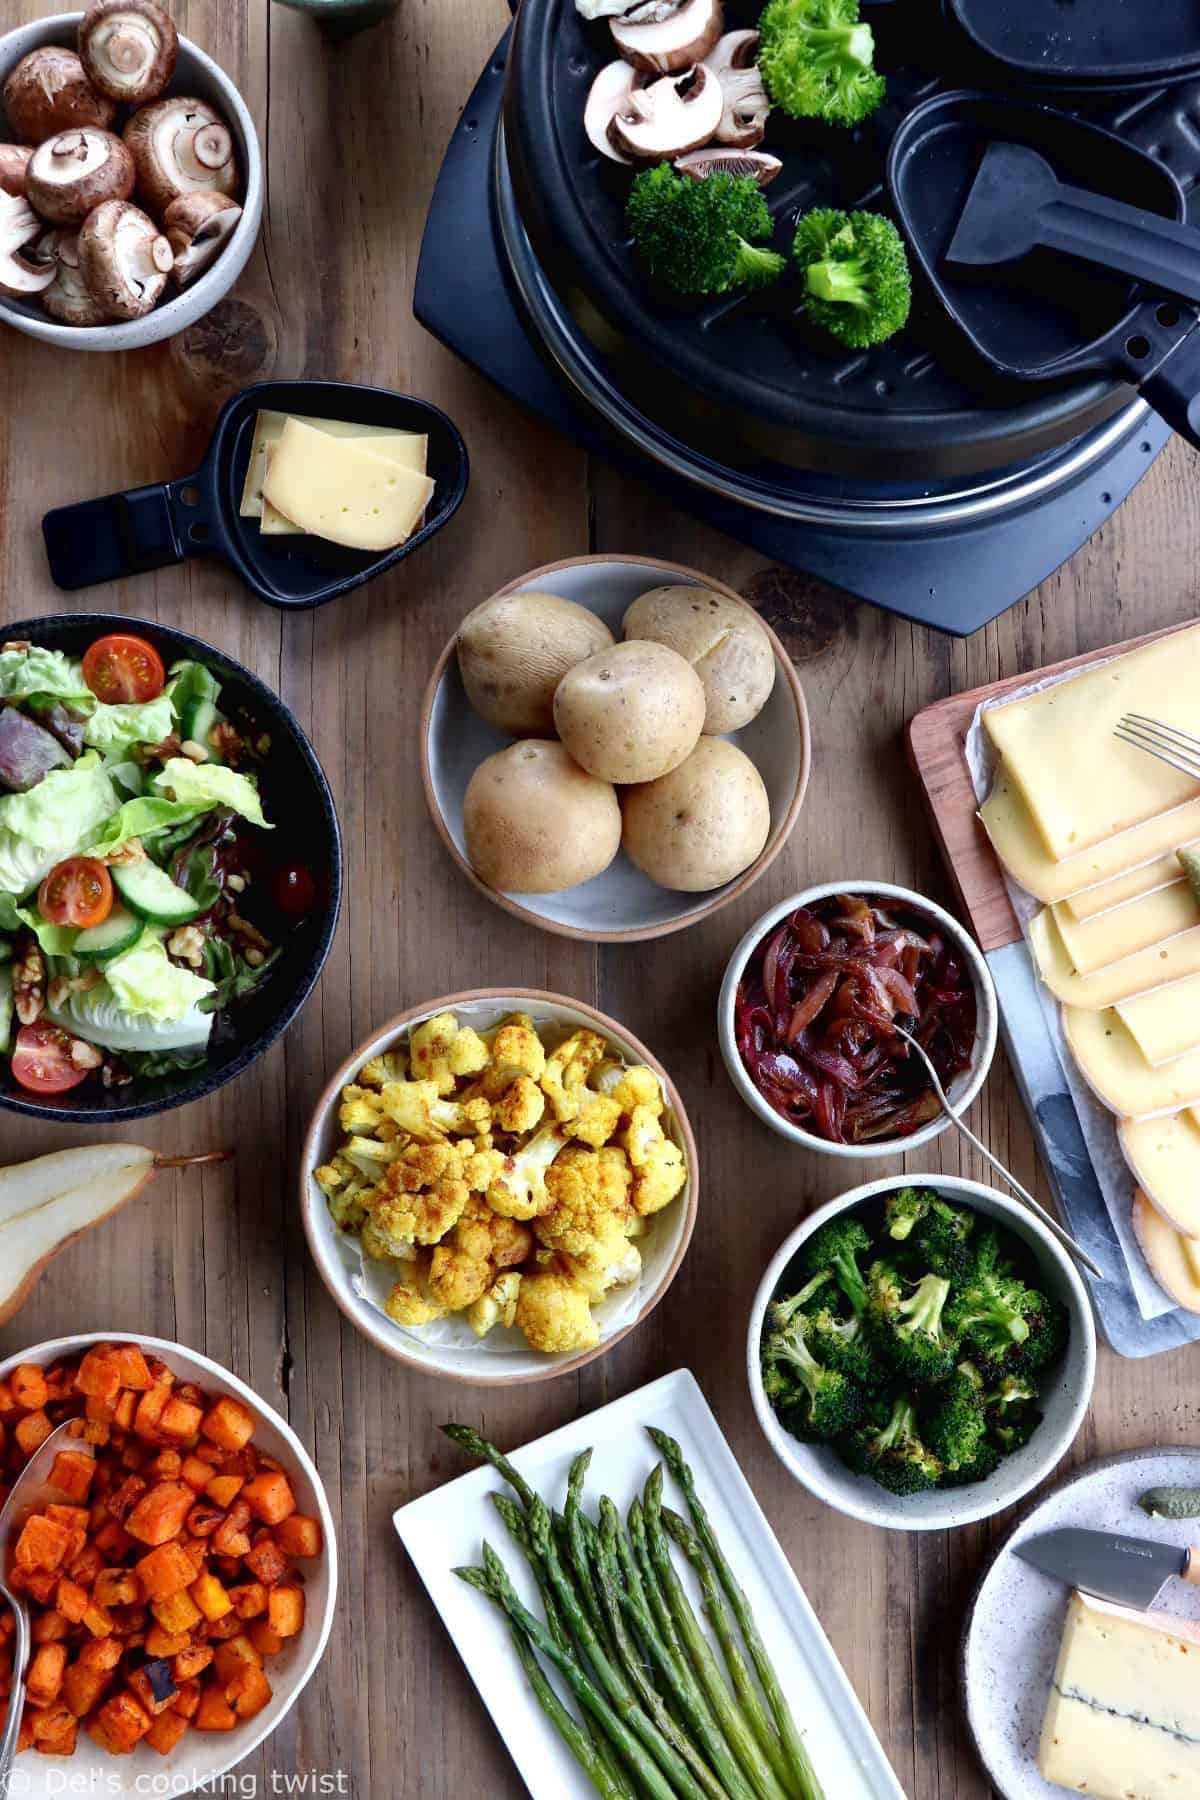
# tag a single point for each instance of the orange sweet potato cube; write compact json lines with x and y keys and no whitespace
{"x":269,"y":1496}
{"x":223,"y":1490}
{"x":72,"y":1474}
{"x":214,"y":1712}
{"x":229,"y":1424}
{"x":160,"y":1514}
{"x":84,"y":1688}
{"x":99,"y":1375}
{"x":177,"y":1614}
{"x":32,"y":1431}
{"x":285,"y":1611}
{"x":180,"y":1420}
{"x":166,"y":1732}
{"x":187,"y":1699}
{"x":44,"y":1680}
{"x":165,"y":1571}
{"x":211,"y":1597}
{"x":249,"y":1691}
{"x":234,"y":1655}
{"x":299,"y":1535}
{"x":28,"y":1386}
{"x":42,"y":1545}
{"x":131,"y":1366}
{"x":120,"y":1725}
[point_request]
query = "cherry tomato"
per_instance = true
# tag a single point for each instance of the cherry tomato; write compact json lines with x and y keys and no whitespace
{"x":42,"y":1059}
{"x":76,"y":892}
{"x":294,"y":891}
{"x":124,"y":668}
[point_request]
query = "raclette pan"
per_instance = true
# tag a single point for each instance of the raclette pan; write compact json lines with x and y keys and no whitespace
{"x":1101,"y":44}
{"x":1046,"y":317}
{"x":154,"y":527}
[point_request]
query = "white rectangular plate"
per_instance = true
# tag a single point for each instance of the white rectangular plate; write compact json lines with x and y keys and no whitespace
{"x":446,"y":1528}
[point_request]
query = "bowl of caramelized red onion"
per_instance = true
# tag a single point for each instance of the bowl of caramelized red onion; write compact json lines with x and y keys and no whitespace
{"x":814,"y":1005}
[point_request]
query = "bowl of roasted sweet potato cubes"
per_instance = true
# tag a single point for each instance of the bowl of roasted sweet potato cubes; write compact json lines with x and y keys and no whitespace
{"x":176,"y":1558}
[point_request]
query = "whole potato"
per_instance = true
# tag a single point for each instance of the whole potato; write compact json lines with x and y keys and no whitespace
{"x":723,"y":640}
{"x":702,"y":824}
{"x":514,"y":650}
{"x":630,"y":713}
{"x":535,"y":822}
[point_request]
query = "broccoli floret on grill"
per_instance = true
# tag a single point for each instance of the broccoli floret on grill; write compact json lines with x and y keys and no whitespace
{"x":702,"y":237}
{"x":858,"y":285}
{"x":818,"y":60}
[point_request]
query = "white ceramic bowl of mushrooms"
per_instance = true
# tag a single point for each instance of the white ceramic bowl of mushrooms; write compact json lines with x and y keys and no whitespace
{"x":131,"y":186}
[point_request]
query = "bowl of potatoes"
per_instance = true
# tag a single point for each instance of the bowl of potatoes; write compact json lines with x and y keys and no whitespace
{"x":614,"y":747}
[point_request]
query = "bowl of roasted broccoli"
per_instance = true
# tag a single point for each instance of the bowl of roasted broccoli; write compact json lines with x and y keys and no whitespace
{"x":921,"y":1352}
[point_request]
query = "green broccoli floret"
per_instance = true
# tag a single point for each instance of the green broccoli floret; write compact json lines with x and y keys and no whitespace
{"x":914,"y":1338}
{"x":1014,"y":1391}
{"x":893,"y":1453}
{"x":858,"y":285}
{"x":990,"y":1306}
{"x":700,"y":237}
{"x":957,"y":1426}
{"x":885,"y":1291}
{"x":942,"y":1237}
{"x":1049,"y":1329}
{"x":782,"y":1312}
{"x":838,"y":1246}
{"x":818,"y":60}
{"x":842,"y":1344}
{"x":823,"y":1401}
{"x":987,"y":1461}
{"x":1016,"y":1431}
{"x":905,"y":1209}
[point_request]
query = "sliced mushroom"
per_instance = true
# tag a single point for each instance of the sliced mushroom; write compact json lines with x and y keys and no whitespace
{"x":70,"y":174}
{"x":607,"y":95}
{"x":24,"y":269}
{"x":124,"y":259}
{"x":180,"y":146}
{"x":67,"y":298}
{"x":669,"y":117}
{"x":664,"y":39}
{"x":747,"y":103}
{"x":48,"y":91}
{"x":198,"y":226}
{"x":604,"y":9}
{"x":723,"y":159}
{"x":13,"y":158}
{"x":128,"y":48}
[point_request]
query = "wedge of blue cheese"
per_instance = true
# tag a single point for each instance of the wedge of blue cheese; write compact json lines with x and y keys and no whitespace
{"x":1123,"y":1720}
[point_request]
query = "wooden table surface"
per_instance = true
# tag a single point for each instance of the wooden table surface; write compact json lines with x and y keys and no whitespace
{"x":353,"y":134}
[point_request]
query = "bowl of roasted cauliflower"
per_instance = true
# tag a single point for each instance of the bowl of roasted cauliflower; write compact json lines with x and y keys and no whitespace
{"x":497,"y":1186}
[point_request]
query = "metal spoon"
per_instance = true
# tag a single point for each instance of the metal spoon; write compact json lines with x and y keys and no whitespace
{"x":1048,"y":1220}
{"x":23,"y":1499}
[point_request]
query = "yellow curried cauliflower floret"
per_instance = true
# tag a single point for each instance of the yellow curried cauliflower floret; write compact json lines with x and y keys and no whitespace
{"x":330,"y":1177}
{"x":419,"y":1196}
{"x":590,"y":1194}
{"x":592,"y":1281}
{"x":378,"y":1243}
{"x":359,"y":1110}
{"x":443,"y":1051}
{"x":481,"y":1232}
{"x":565,"y":1077}
{"x":457,"y":1280}
{"x":596,"y":1120}
{"x":516,"y":1050}
{"x":498,"y":1306}
{"x":392,"y":1066}
{"x":417,"y":1107}
{"x":636,"y":1086}
{"x":554,"y":1315}
{"x":410,"y":1302}
{"x":519,"y":1191}
{"x":659,"y":1170}
{"x":481,"y":1168}
{"x":520,"y":1106}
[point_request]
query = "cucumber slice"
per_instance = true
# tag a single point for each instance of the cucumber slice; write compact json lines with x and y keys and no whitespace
{"x":6,"y":1009}
{"x":120,"y":931}
{"x":148,"y":891}
{"x":5,"y":950}
{"x":196,"y":720}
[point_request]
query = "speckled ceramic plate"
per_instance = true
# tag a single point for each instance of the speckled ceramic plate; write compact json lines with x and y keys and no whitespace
{"x":1013,"y":1628}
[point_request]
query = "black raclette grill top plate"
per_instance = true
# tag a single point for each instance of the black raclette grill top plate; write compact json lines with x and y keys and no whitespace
{"x":919,"y":404}
{"x":1101,"y":43}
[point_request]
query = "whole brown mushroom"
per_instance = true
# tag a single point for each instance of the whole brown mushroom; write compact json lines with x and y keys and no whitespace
{"x":47,"y":92}
{"x":124,"y":259}
{"x":14,"y":159}
{"x":128,"y":48}
{"x":24,"y":268}
{"x":74,"y":172}
{"x":180,"y":146}
{"x":198,"y":227}
{"x":67,"y":299}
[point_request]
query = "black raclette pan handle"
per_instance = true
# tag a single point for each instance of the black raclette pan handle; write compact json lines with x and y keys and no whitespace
{"x":131,"y":533}
{"x":1122,"y":237}
{"x":1173,"y":390}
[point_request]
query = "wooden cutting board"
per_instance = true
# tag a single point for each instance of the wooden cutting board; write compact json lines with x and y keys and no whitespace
{"x":937,"y":752}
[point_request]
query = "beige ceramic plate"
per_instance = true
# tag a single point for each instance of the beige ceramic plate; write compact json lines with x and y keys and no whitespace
{"x":506,"y":1361}
{"x":622,"y":904}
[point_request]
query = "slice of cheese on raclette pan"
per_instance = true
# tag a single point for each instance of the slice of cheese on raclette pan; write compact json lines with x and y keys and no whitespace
{"x":336,"y":490}
{"x":1119,"y":1075}
{"x":1172,"y":1260}
{"x":410,"y":451}
{"x":1017,"y":842}
{"x":1095,"y":943}
{"x":1164,"y":1155}
{"x":268,"y":429}
{"x":1166,"y":1023}
{"x":1175,"y":960}
{"x":1080,"y":782}
{"x":1122,"y":890}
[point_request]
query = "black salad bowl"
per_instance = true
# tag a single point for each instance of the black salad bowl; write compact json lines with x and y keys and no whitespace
{"x":298,"y":802}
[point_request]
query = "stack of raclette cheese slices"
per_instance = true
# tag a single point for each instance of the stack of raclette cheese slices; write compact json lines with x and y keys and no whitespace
{"x":363,"y":486}
{"x":1092,"y":827}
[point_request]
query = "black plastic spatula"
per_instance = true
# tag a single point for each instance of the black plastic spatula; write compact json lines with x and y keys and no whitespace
{"x":1018,"y":204}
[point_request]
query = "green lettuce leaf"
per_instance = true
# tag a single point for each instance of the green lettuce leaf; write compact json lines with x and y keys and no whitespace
{"x":144,"y":981}
{"x":192,"y":681}
{"x":141,"y":818}
{"x":112,"y":728}
{"x":98,"y":1017}
{"x":57,"y":818}
{"x":211,"y":784}
{"x":39,"y":671}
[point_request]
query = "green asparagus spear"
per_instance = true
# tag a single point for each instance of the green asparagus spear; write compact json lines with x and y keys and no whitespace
{"x":581,"y":1746}
{"x":789,"y":1732}
{"x":474,"y":1445}
{"x":735,"y":1662}
{"x":493,"y":1580}
{"x":741,"y":1738}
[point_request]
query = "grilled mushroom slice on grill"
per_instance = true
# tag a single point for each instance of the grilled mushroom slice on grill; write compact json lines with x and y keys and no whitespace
{"x":723,"y":159}
{"x":747,"y":103}
{"x":70,"y":174}
{"x":606,"y":96}
{"x":48,"y":91}
{"x":670,"y":117}
{"x":198,"y":226}
{"x":180,"y":146}
{"x":13,"y":161}
{"x":128,"y":48}
{"x":663,"y":36}
{"x":67,"y":299}
{"x":125,"y":260}
{"x":24,"y":270}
